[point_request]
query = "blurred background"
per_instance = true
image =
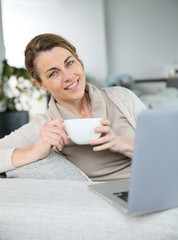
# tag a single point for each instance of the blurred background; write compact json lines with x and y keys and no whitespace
{"x":113,"y":37}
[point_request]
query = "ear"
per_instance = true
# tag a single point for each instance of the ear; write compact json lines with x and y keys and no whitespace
{"x":40,"y":85}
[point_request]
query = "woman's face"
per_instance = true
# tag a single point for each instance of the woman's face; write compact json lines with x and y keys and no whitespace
{"x":61,"y":74}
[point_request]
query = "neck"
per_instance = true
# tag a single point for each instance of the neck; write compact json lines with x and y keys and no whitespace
{"x":81,"y":107}
{"x":85,"y":110}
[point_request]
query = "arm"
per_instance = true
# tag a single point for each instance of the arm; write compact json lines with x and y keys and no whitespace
{"x":22,"y":137}
{"x":51,"y":134}
{"x":30,"y":143}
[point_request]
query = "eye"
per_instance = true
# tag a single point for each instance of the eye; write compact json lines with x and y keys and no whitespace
{"x":70,"y":63}
{"x":53,"y":74}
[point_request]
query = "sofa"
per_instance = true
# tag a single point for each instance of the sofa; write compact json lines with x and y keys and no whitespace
{"x":163,"y":97}
{"x":50,"y":200}
{"x":167,"y":97}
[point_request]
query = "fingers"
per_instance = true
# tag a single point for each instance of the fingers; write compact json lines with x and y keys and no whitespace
{"x":56,"y":122}
{"x":106,"y":133}
{"x":105,"y":122}
{"x":56,"y":132}
{"x":101,"y":129}
{"x":57,"y":127}
{"x":58,"y":138}
{"x":101,"y":140}
{"x":102,"y":143}
{"x":102,"y":147}
{"x":107,"y":139}
{"x":53,"y":134}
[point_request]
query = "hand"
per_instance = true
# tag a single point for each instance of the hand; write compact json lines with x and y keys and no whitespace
{"x":110,"y":140}
{"x":51,"y":134}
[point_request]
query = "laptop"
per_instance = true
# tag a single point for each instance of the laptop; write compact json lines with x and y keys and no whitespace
{"x":153,"y":183}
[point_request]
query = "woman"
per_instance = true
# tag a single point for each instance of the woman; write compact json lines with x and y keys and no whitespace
{"x":54,"y":65}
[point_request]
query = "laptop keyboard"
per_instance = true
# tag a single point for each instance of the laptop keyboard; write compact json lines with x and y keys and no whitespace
{"x":122,"y":195}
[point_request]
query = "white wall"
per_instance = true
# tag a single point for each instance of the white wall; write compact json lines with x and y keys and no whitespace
{"x":142,"y":36}
{"x":2,"y":49}
{"x":80,"y":21}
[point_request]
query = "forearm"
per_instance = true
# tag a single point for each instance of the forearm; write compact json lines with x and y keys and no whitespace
{"x":23,"y":156}
{"x":16,"y":149}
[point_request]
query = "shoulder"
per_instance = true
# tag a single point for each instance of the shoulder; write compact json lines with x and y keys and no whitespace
{"x":128,"y":103}
{"x":123,"y":96}
{"x":40,"y":119}
{"x":120,"y":92}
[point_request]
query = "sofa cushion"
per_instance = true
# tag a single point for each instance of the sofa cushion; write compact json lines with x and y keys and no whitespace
{"x":33,"y":209}
{"x":53,"y":167}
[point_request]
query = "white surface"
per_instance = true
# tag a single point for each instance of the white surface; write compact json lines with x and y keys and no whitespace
{"x":141,"y":36}
{"x":81,"y":22}
{"x":52,"y":209}
{"x":2,"y":50}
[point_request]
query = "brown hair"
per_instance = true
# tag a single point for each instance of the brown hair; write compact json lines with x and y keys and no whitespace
{"x":45,"y":42}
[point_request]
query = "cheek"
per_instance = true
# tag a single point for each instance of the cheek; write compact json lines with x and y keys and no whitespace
{"x":54,"y":86}
{"x":82,"y":73}
{"x":80,"y":68}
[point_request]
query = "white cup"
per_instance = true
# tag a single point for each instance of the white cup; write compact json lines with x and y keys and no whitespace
{"x":82,"y":130}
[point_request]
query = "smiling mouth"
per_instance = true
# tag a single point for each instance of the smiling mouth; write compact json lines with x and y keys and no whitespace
{"x":73,"y":85}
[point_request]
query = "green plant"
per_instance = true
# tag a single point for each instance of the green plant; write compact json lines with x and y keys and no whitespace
{"x":16,"y":89}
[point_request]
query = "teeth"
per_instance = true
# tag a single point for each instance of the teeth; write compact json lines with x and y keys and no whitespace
{"x":73,"y":85}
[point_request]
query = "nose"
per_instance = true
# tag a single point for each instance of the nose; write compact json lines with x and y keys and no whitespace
{"x":67,"y":75}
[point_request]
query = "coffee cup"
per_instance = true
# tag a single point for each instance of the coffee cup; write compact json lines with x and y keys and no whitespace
{"x":82,"y":130}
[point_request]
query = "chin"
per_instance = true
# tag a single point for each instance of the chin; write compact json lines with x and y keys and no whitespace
{"x":80,"y":96}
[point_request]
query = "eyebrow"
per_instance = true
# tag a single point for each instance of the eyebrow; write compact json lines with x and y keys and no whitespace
{"x":54,"y":68}
{"x":67,"y":59}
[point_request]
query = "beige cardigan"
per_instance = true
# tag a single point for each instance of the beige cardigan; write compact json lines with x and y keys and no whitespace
{"x":128,"y":103}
